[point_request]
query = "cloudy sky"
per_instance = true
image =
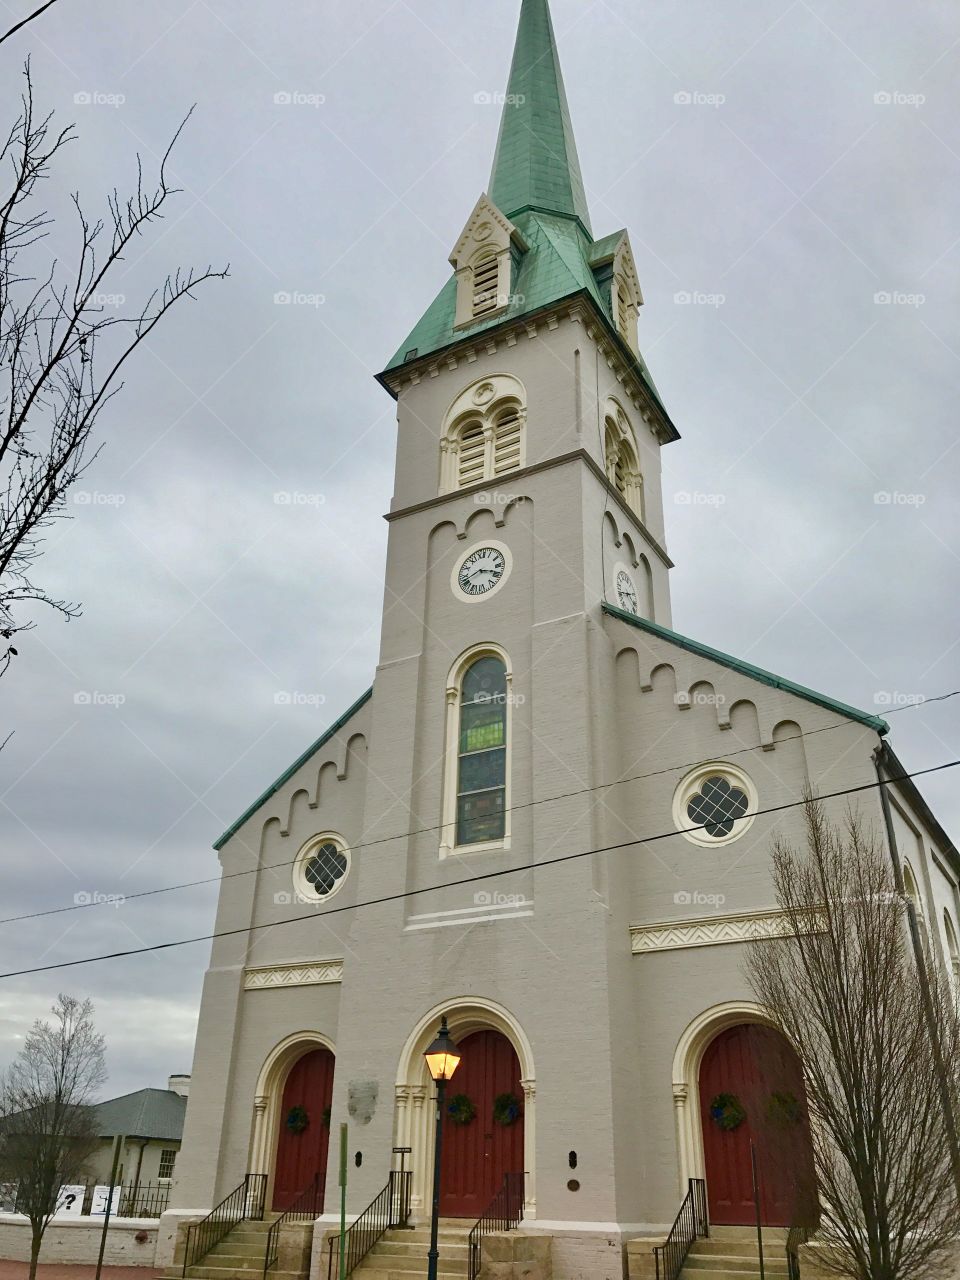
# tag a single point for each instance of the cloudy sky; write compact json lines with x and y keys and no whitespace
{"x":789,"y":175}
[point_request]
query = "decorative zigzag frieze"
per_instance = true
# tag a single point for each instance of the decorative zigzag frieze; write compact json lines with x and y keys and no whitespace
{"x":297,"y":974}
{"x":707,"y":931}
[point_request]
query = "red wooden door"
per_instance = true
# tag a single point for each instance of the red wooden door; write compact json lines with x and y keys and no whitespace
{"x":300,"y":1156}
{"x":756,"y":1066}
{"x":477,"y":1156}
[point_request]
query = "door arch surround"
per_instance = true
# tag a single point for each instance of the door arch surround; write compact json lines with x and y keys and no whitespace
{"x":269,"y":1097}
{"x":414,"y":1117}
{"x":688,"y":1059}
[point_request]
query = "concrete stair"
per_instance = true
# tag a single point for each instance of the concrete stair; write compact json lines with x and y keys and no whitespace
{"x":402,"y":1255}
{"x":238,"y":1256}
{"x":731,"y":1253}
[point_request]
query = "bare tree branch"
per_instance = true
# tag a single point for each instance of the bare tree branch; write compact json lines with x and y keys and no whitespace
{"x":63,"y":344}
{"x":844,"y":987}
{"x":47,"y":1132}
{"x":29,"y":18}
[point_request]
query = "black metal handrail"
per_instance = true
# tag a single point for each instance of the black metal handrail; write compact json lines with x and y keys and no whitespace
{"x":306,"y":1207}
{"x":391,"y":1208}
{"x":691,"y":1222}
{"x":796,"y":1236}
{"x":245,"y":1201}
{"x":504,"y":1212}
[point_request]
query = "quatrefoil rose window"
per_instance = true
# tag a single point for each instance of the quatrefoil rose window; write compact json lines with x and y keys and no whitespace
{"x":715,"y":804}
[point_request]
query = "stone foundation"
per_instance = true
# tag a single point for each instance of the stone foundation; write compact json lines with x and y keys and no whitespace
{"x":510,"y":1255}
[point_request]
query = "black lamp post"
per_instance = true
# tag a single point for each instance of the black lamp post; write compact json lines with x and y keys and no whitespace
{"x":443,"y":1058}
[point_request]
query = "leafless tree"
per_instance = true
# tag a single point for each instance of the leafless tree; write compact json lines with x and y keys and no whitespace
{"x":845,"y":988}
{"x":45,"y":1104}
{"x":29,"y":18}
{"x":63,"y":343}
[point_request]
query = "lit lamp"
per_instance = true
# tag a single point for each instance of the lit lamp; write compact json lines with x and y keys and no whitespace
{"x":443,"y":1058}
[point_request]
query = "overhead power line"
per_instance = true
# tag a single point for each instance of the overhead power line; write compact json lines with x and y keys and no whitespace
{"x":456,"y":884}
{"x":110,"y":899}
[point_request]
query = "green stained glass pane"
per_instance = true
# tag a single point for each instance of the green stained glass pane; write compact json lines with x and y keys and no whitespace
{"x":481,"y":817}
{"x":482,"y":726}
{"x":483,"y":771}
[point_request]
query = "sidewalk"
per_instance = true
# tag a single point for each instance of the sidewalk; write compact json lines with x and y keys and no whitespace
{"x":65,"y":1271}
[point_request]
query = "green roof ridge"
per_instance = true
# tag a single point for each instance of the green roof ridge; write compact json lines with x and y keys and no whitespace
{"x":288,"y":774}
{"x":536,"y":166}
{"x":748,"y":669}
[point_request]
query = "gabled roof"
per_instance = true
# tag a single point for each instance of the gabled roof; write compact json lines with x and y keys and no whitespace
{"x":536,"y":164}
{"x":288,"y":774}
{"x":747,"y":669}
{"x":147,"y":1113}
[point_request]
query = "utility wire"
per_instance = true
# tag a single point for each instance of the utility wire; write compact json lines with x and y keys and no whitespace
{"x":468,"y":880}
{"x":110,"y":899}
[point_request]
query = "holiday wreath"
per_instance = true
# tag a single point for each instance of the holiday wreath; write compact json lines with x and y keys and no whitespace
{"x":727,"y":1112}
{"x":297,"y":1119}
{"x":460,"y":1109}
{"x":506,"y":1109}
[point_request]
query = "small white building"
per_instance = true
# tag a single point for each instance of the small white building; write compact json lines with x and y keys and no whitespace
{"x":551,"y":817}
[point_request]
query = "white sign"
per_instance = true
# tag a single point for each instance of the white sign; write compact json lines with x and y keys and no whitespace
{"x":70,"y":1202}
{"x":101,"y":1194}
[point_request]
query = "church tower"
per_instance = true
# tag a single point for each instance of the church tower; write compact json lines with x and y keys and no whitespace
{"x":549,"y":821}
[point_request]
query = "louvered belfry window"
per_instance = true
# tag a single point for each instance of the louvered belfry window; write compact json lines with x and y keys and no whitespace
{"x":472,"y":456}
{"x":486,"y":280}
{"x":506,"y":442}
{"x":489,"y":447}
{"x":623,"y":308}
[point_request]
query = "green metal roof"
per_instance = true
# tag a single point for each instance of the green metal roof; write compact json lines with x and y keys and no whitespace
{"x":537,"y":184}
{"x":148,"y":1113}
{"x":747,"y":669}
{"x":285,"y":777}
{"x":536,"y":164}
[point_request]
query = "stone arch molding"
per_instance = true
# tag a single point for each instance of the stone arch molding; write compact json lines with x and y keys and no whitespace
{"x":693,"y":1043}
{"x":269,"y":1096}
{"x":415,"y":1119}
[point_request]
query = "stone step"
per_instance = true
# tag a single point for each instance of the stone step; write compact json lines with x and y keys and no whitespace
{"x":203,"y":1272}
{"x":705,"y":1265}
{"x":418,"y":1249}
{"x":380,"y":1263}
{"x":748,"y":1233}
{"x":773,"y":1251}
{"x":224,"y":1256}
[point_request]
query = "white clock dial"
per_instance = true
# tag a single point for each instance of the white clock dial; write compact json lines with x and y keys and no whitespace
{"x":482,"y":570}
{"x":626,"y":592}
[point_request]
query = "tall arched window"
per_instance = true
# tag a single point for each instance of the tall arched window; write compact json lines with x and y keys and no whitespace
{"x":482,"y":753}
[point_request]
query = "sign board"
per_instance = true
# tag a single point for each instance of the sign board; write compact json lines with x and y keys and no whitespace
{"x":101,"y":1194}
{"x":70,"y":1201}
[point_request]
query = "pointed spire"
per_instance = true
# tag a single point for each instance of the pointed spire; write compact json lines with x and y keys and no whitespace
{"x":536,"y":165}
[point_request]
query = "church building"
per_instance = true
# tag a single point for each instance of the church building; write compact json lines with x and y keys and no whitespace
{"x":549,"y":819}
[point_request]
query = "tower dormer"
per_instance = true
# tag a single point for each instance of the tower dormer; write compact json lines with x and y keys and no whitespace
{"x":485,"y":259}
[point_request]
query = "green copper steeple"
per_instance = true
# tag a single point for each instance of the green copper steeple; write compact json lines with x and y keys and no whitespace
{"x":536,"y":165}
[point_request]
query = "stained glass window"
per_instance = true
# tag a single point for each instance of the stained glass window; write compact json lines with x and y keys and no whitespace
{"x":717,"y":806}
{"x":482,"y":765}
{"x":325,"y":869}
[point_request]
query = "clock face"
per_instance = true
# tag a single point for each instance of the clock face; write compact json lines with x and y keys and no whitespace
{"x":626,"y":592}
{"x":482,"y":570}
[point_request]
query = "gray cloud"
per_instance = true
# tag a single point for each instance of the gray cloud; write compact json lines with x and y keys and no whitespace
{"x":798,"y":198}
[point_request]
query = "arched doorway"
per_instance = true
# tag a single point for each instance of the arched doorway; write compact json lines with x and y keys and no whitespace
{"x":416,"y":1094}
{"x":477,"y":1155}
{"x":303,"y":1129}
{"x":753,"y":1107}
